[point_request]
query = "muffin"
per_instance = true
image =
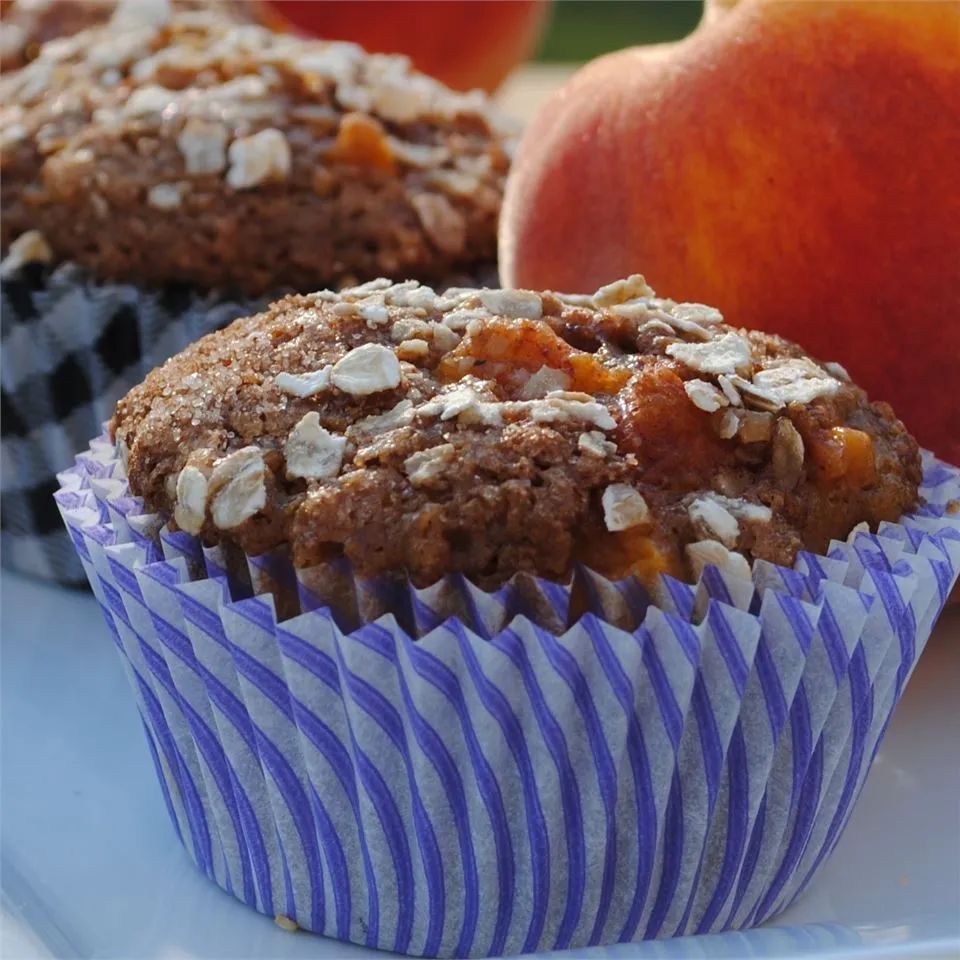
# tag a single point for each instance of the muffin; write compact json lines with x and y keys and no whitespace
{"x":497,"y":621}
{"x":161,"y":179}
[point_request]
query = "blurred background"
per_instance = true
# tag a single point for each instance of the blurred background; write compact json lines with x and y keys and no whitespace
{"x":579,"y":30}
{"x":582,"y":29}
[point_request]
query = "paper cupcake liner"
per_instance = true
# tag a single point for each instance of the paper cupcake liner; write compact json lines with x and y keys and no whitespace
{"x":71,"y":348}
{"x":492,"y":788}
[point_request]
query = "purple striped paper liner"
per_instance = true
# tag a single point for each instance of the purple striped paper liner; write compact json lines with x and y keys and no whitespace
{"x":449,"y":772}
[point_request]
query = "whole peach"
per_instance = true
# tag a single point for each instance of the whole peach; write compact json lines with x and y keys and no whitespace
{"x":464,"y":43}
{"x":795,"y":164}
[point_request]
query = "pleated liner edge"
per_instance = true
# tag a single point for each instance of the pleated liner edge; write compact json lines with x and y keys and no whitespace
{"x":461,"y":795}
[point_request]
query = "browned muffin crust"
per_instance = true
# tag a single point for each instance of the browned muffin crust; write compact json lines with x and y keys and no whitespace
{"x":225,"y":155}
{"x":490,"y":432}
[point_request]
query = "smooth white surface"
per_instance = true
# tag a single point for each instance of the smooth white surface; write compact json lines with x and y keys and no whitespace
{"x":90,"y":867}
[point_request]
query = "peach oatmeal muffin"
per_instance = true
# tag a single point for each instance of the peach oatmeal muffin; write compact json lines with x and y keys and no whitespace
{"x":372,"y":551}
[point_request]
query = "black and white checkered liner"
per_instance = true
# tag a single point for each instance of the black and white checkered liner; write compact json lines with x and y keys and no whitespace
{"x":71,"y":348}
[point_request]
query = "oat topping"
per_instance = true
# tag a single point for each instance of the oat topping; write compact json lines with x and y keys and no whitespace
{"x":443,"y":338}
{"x":141,"y":13}
{"x":365,"y":370}
{"x":729,"y":353}
{"x":459,"y":320}
{"x":544,"y":381}
{"x":414,"y":349}
{"x":496,"y":431}
{"x":374,"y":314}
{"x":793,"y":380}
{"x":705,"y":395}
{"x":513,"y":303}
{"x":399,"y":416}
{"x":689,"y":328}
{"x":304,"y":384}
{"x":729,"y":391}
{"x":411,"y":294}
{"x":455,"y":401}
{"x":411,"y":328}
{"x":258,"y":159}
{"x":692,"y":320}
{"x":594,"y":443}
{"x":29,"y":247}
{"x":427,"y":465}
{"x":561,"y":405}
{"x":623,"y":507}
{"x":444,"y":224}
{"x":744,"y":509}
{"x":468,"y":404}
{"x":147,"y":100}
{"x":714,"y":520}
{"x":237,"y":486}
{"x":417,"y":155}
{"x":728,"y":424}
{"x":128,"y":47}
{"x":166,"y":196}
{"x":203,"y":144}
{"x":191,"y":496}
{"x":698,"y":313}
{"x":311,"y":451}
{"x":620,"y":291}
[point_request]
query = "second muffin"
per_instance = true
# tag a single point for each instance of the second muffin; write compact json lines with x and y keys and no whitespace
{"x":229,"y":156}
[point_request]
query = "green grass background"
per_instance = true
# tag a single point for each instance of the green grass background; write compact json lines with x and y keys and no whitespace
{"x":583,"y":29}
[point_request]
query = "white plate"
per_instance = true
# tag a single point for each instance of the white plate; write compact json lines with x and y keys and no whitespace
{"x":89,"y":865}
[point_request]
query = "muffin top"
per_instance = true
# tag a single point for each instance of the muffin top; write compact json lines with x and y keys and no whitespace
{"x":189,"y":147}
{"x":496,"y":431}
